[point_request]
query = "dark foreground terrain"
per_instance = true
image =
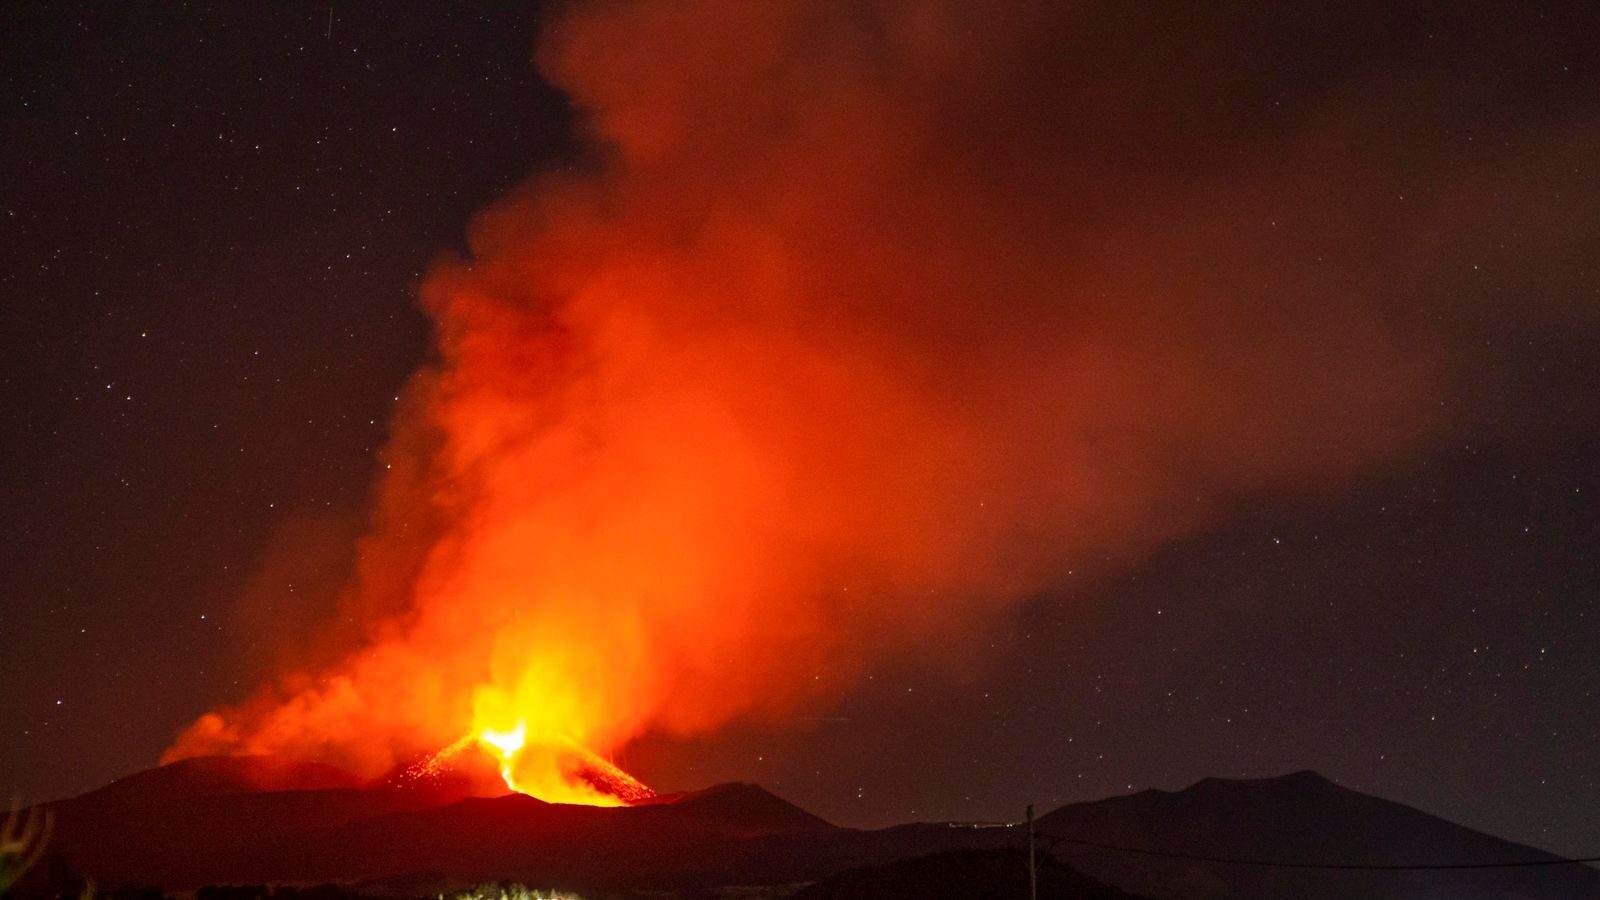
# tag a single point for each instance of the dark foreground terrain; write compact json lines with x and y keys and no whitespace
{"x":232,"y":829}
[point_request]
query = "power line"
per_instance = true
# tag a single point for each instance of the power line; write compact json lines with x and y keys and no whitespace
{"x":1365,"y":867}
{"x":1033,"y":864}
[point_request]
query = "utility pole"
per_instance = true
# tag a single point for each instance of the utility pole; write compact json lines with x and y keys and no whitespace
{"x":1033,"y":868}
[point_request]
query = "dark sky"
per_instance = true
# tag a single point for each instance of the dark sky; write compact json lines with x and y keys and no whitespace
{"x":215,"y":219}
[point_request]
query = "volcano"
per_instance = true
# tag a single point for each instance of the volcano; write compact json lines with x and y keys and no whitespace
{"x":494,"y":764}
{"x":264,"y":821}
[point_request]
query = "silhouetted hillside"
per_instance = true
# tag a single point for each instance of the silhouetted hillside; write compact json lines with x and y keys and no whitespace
{"x":1301,"y":818}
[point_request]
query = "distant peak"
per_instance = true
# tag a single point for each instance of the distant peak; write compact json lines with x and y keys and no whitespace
{"x":1302,"y":779}
{"x":733,"y":788}
{"x":745,"y":806}
{"x":724,"y":790}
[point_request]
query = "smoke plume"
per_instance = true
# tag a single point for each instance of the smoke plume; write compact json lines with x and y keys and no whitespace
{"x":866,"y":321}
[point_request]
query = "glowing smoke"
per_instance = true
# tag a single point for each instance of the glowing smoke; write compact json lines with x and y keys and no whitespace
{"x":870,"y":320}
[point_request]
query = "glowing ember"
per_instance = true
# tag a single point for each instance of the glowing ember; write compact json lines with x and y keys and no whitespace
{"x":437,"y":764}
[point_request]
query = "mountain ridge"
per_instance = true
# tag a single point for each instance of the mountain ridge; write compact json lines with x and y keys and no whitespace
{"x":194,"y":823}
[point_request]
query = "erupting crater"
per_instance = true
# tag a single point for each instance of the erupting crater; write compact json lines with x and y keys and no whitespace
{"x":552,"y":768}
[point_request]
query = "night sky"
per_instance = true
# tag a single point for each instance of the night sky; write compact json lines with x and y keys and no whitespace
{"x":215,"y":222}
